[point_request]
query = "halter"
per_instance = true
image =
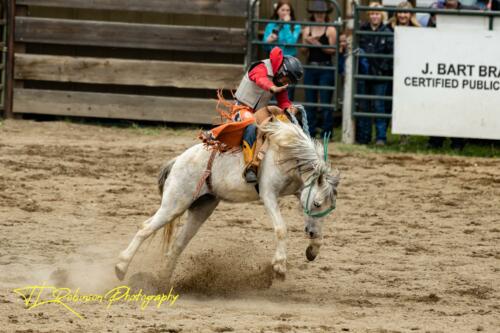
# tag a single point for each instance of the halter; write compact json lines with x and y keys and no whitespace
{"x":315,"y":177}
{"x":307,"y":211}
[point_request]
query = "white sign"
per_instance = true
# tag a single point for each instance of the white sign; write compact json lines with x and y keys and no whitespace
{"x":446,"y":83}
{"x":462,"y":23}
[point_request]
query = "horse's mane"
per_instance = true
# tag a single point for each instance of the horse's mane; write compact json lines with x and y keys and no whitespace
{"x":304,"y":153}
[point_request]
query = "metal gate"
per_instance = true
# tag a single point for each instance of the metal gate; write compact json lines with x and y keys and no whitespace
{"x":254,"y":42}
{"x":355,"y":75}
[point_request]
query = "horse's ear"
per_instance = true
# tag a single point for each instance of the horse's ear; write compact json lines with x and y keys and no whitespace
{"x":334,"y":179}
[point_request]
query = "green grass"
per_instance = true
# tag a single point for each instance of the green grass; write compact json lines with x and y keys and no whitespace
{"x":418,"y":145}
{"x":155,"y":130}
{"x":148,"y":130}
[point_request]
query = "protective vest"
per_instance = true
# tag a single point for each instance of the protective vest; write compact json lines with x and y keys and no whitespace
{"x":250,"y":94}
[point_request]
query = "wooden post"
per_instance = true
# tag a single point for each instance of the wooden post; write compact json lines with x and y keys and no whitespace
{"x":9,"y":69}
{"x":347,"y":120}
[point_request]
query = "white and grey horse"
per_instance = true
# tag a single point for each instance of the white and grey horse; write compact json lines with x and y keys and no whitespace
{"x":294,"y":164}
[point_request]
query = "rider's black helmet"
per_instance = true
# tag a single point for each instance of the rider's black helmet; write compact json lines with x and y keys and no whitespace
{"x":292,"y":68}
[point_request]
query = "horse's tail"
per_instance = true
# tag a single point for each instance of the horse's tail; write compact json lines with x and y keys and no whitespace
{"x":169,"y":229}
{"x":168,"y":233}
{"x":164,"y":172}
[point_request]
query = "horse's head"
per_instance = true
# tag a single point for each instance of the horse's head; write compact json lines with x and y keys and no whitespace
{"x":318,"y":198}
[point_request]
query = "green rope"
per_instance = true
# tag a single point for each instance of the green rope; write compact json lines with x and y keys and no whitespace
{"x":326,"y":139}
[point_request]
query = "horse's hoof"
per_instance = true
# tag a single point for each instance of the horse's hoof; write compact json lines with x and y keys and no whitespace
{"x":279,"y":270}
{"x":120,"y":274}
{"x":310,"y":253}
{"x":281,"y":276}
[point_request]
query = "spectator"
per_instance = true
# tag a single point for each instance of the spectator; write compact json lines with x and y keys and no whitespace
{"x":283,"y":33}
{"x":318,"y":36}
{"x":430,"y":20}
{"x":374,"y":44}
{"x":342,"y":53}
{"x":456,"y":4}
{"x":405,"y":19}
{"x":494,"y":5}
{"x":482,"y":4}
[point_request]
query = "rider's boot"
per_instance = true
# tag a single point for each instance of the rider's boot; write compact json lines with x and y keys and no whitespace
{"x":251,"y":170}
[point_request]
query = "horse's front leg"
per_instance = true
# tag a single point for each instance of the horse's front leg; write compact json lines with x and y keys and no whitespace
{"x":270,"y":201}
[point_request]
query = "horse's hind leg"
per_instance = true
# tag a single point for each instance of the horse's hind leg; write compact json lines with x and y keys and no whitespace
{"x":163,"y":215}
{"x":198,"y":213}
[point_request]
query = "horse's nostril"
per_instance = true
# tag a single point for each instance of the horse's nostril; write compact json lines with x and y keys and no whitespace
{"x":305,"y":229}
{"x":311,"y":234}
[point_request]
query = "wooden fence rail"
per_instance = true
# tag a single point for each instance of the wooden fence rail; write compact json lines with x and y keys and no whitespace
{"x":127,"y":72}
{"x":129,"y":35}
{"x":54,"y":78}
{"x":236,"y":8}
{"x":118,"y":106}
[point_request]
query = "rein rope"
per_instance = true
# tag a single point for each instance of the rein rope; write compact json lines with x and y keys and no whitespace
{"x":303,"y":116}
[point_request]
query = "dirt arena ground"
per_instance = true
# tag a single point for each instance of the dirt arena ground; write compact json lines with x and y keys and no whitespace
{"x":414,"y":245}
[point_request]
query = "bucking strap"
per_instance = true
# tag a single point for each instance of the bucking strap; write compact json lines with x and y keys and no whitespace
{"x":206,"y":176}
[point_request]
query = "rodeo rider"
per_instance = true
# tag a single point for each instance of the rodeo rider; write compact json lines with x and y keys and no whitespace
{"x":263,"y":80}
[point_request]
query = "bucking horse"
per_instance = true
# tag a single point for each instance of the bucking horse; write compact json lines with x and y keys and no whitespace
{"x":294,"y":164}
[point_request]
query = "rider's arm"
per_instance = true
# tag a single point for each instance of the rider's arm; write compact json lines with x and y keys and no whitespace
{"x":282,"y":99}
{"x":259,"y":75}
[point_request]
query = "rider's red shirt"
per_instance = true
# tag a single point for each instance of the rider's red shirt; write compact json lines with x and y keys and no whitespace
{"x":259,"y":75}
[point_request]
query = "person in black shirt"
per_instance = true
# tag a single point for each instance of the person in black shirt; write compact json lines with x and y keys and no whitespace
{"x":319,"y":35}
{"x":374,"y":44}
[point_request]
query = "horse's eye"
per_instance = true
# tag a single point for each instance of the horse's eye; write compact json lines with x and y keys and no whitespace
{"x":316,"y":204}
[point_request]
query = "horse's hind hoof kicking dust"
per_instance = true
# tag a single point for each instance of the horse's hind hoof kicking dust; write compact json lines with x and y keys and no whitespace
{"x":120,"y":271}
{"x":293,"y":165}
